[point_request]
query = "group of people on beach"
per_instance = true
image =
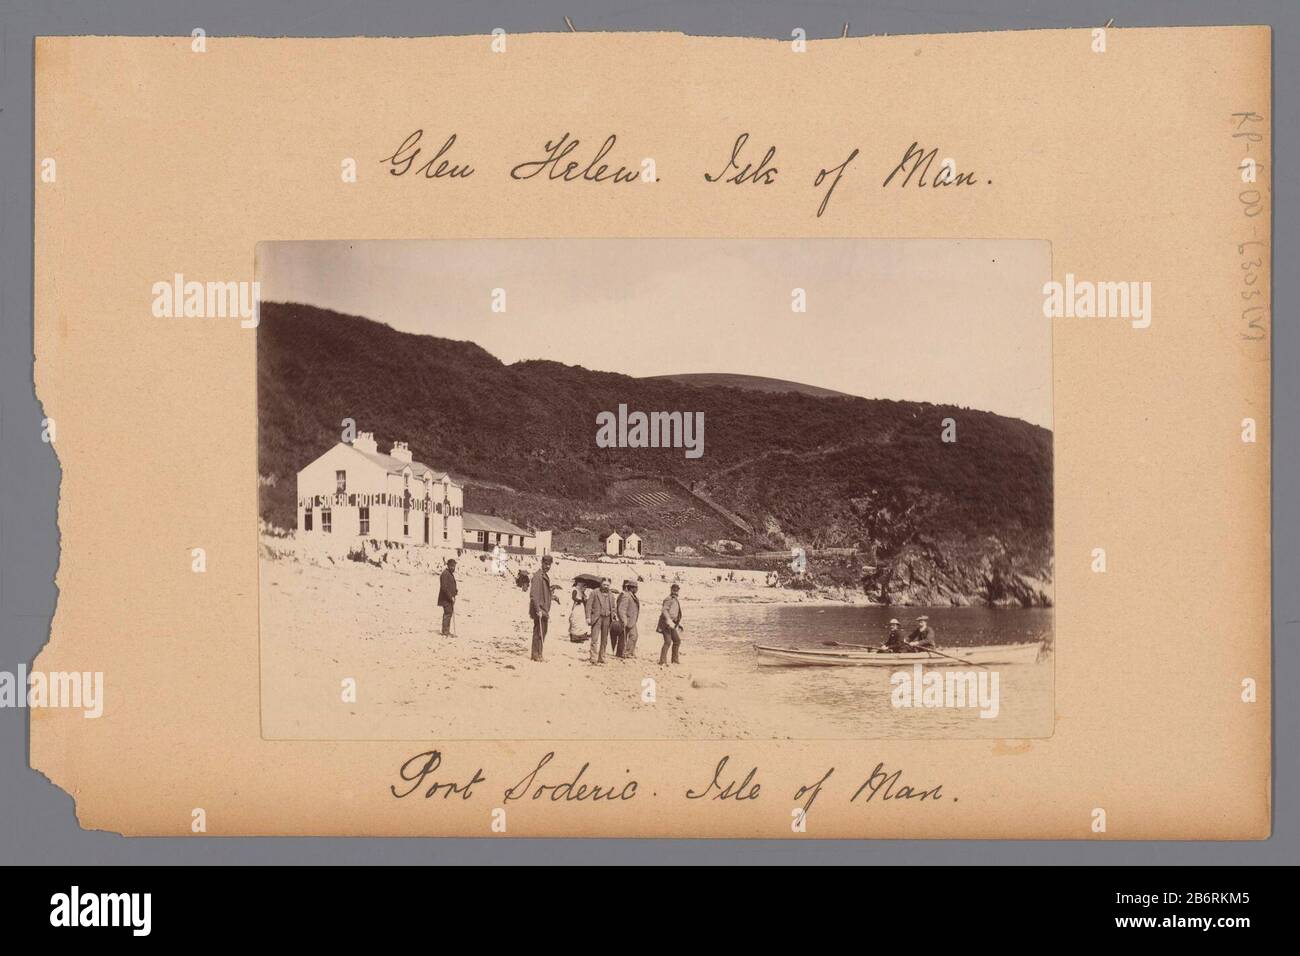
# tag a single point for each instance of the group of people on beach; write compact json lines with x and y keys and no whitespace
{"x":607,"y":618}
{"x":610,"y":620}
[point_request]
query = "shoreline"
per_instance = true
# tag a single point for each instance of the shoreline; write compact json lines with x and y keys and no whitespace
{"x":329,"y":623}
{"x":736,"y":586}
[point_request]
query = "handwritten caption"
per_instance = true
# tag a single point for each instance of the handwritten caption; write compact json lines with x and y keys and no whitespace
{"x":572,"y":159}
{"x":549,"y":779}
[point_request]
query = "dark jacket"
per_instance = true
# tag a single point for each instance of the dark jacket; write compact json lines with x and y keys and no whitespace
{"x":447,"y":588}
{"x":539,"y":596}
{"x":917,"y":637}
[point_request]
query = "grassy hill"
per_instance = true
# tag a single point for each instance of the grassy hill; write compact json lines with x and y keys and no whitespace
{"x":753,"y":383}
{"x":934,"y":521}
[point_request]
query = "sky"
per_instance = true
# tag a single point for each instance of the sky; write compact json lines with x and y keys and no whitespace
{"x":935,"y":320}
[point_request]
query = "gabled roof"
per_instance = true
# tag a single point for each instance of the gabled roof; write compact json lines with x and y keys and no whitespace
{"x":611,"y":534}
{"x":476,"y":522}
{"x":395,"y":466}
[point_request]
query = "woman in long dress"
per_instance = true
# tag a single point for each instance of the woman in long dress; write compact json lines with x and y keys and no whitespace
{"x":579,"y":629}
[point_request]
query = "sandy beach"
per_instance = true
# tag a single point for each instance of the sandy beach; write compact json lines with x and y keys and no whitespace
{"x":327,"y":620}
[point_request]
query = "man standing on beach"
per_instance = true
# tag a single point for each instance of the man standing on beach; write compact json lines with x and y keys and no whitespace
{"x":670,"y":625}
{"x":539,"y":606}
{"x":629,"y":610}
{"x":600,"y":614}
{"x":447,"y":595}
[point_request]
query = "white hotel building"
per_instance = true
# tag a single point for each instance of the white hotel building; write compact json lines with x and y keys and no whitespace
{"x":354,"y":491}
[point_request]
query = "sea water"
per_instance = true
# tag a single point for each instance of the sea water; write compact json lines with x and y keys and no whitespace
{"x":856,"y":700}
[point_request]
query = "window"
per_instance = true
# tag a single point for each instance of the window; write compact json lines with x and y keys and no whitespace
{"x":306,"y":519}
{"x":325,"y":525}
{"x":481,"y":536}
{"x":364,"y":516}
{"x":340,"y":482}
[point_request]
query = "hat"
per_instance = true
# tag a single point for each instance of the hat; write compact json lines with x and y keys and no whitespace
{"x":893,"y":620}
{"x":923,"y":618}
{"x":675,"y":587}
{"x":626,"y":582}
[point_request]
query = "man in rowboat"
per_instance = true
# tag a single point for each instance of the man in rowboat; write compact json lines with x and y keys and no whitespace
{"x":894,"y":639}
{"x":922,"y":635}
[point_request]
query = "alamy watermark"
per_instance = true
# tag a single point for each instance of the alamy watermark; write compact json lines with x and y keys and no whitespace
{"x":946,"y":687}
{"x":76,"y":908}
{"x":1082,"y":299}
{"x":179,"y":299}
{"x":651,"y":430}
{"x":73,"y":690}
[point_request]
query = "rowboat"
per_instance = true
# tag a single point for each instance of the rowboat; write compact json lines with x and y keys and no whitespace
{"x":849,"y":655}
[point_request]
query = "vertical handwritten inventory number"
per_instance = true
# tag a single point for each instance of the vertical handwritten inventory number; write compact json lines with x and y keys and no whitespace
{"x":1251,"y":252}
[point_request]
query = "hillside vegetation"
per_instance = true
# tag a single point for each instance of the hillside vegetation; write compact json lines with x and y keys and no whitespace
{"x":934,"y":522}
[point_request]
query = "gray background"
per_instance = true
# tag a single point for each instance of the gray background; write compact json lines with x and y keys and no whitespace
{"x":37,"y":823}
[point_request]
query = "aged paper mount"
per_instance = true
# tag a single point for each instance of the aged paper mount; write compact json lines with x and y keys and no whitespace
{"x":161,"y":163}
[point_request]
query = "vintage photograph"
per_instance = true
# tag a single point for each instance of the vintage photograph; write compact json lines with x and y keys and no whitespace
{"x":655,"y":489}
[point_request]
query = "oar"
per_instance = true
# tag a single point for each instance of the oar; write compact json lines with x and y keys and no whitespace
{"x":951,"y":658}
{"x":876,"y":650}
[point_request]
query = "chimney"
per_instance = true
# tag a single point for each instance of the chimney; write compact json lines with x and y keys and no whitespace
{"x":365,"y":441}
{"x":401,"y":452}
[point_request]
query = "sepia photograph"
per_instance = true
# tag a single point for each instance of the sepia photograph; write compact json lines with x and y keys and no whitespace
{"x":663,"y":489}
{"x":668,"y":434}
